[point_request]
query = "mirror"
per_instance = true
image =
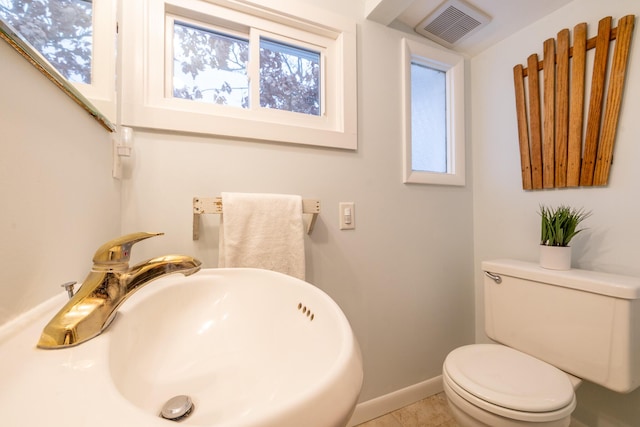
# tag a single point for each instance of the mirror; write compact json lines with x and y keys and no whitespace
{"x":26,"y":49}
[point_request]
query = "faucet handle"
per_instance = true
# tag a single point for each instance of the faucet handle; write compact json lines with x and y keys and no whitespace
{"x":68,"y":286}
{"x":118,"y":250}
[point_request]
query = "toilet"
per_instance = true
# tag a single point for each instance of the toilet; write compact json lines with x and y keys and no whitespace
{"x":551,"y":330}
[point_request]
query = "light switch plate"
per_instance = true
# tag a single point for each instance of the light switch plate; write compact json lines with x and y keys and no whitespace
{"x":347,"y":215}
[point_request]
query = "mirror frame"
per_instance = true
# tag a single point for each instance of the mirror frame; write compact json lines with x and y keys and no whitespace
{"x":24,"y":48}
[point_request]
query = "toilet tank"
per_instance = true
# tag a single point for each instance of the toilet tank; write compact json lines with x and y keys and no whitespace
{"x":583,"y":322}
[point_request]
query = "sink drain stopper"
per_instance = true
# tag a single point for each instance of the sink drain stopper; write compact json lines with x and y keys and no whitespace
{"x":177,"y":408}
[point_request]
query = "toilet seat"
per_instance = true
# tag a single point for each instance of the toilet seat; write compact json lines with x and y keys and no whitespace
{"x":509,"y":383}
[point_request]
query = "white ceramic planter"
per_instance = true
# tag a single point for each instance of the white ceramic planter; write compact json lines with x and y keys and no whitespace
{"x":555,"y":257}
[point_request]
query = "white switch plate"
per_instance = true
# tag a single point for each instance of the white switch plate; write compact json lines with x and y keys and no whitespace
{"x":347,"y":215}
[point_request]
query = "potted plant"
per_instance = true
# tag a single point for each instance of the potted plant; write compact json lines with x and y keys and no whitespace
{"x":559,"y":225}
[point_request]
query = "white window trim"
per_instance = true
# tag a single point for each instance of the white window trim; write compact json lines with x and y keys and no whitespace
{"x":102,"y":91}
{"x":453,"y":65}
{"x":144,"y":100}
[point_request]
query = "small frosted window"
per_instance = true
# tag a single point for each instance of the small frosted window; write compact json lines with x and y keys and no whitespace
{"x":429,"y":119}
{"x":433,"y":111}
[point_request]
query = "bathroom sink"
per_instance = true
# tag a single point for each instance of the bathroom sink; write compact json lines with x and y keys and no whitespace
{"x":249,"y":347}
{"x":252,"y":348}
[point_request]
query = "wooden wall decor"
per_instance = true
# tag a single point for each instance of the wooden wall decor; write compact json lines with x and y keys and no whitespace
{"x":553,"y":153}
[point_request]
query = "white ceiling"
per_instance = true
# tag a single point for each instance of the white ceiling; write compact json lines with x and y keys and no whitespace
{"x":507,"y":17}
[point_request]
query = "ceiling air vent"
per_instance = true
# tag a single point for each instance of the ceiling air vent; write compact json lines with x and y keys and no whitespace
{"x":452,"y":22}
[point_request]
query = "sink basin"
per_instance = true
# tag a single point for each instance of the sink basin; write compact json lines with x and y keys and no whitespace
{"x":250,"y":347}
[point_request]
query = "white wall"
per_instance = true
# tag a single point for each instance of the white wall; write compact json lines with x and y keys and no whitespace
{"x":506,"y":223}
{"x":59,"y":202}
{"x":403,"y":277}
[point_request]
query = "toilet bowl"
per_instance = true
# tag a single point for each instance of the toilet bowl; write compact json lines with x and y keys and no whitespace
{"x":496,"y":386}
{"x":548,"y":326}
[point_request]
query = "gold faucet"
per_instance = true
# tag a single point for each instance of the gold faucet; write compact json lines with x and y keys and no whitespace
{"x":109,"y":283}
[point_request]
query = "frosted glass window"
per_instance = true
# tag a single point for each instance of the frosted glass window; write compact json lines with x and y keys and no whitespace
{"x":433,"y":113}
{"x":428,"y":119}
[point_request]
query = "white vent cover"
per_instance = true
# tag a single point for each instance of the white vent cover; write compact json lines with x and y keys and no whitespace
{"x":452,"y":22}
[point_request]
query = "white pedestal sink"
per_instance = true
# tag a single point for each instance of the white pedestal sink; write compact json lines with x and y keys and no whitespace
{"x":250,"y":347}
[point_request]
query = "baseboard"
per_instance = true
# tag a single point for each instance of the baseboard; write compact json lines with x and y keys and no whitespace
{"x":382,"y":405}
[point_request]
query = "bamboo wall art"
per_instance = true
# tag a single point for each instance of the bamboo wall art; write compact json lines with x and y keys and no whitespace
{"x":557,"y":148}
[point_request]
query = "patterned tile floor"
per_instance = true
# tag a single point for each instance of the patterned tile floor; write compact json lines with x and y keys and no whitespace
{"x":430,"y":412}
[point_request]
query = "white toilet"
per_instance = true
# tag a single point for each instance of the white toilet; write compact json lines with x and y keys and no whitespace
{"x":554,"y":329}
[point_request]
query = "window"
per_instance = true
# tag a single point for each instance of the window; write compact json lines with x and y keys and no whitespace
{"x":433,"y":111}
{"x":239,"y":70}
{"x":289,"y":78}
{"x":68,"y":35}
{"x":61,"y":31}
{"x":210,"y":66}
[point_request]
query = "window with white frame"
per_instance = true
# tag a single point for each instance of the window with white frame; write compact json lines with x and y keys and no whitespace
{"x":433,"y":112}
{"x":62,"y":31}
{"x":236,"y":69}
{"x":76,"y":37}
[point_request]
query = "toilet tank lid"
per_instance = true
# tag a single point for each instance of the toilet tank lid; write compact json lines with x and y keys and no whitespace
{"x":614,"y":285}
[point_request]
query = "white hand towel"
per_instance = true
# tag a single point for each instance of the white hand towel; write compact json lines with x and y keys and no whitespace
{"x":262,"y":231}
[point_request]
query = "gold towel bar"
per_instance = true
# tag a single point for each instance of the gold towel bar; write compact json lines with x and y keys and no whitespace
{"x":213,"y":205}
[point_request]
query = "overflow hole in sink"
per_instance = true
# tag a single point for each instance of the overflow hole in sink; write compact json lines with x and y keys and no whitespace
{"x":306,"y":311}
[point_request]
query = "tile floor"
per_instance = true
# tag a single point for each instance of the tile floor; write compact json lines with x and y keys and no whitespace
{"x":430,"y":412}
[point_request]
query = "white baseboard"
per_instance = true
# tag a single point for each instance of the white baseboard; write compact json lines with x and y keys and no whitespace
{"x":382,"y":405}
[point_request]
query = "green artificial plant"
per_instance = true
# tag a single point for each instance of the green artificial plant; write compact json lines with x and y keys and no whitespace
{"x":560,"y":225}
